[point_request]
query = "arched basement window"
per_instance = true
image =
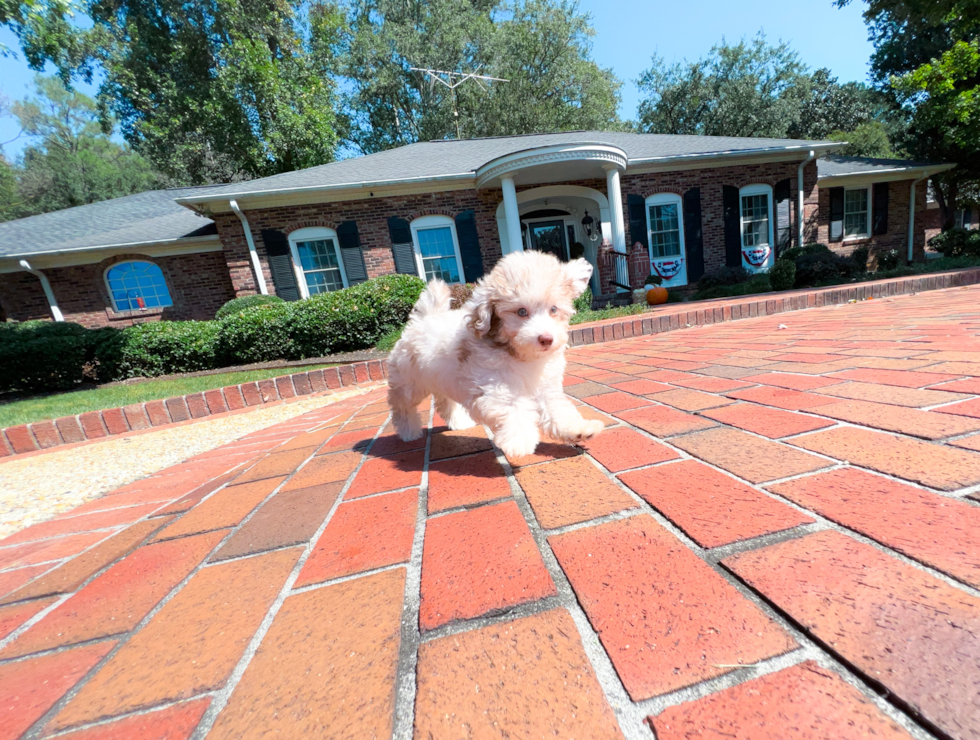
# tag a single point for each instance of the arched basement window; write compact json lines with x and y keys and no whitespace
{"x":136,"y":285}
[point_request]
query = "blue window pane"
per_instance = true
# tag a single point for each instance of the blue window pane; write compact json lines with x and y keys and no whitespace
{"x":136,"y":285}
{"x":444,"y":268}
{"x":436,"y":242}
{"x":317,"y":255}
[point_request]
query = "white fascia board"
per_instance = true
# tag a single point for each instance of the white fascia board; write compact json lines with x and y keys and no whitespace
{"x":803,"y":149}
{"x":883,"y":175}
{"x":89,"y":255}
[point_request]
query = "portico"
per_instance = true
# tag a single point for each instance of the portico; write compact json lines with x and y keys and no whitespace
{"x":563,"y":214}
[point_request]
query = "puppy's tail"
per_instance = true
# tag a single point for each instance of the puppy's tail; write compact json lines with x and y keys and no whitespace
{"x":434,"y":299}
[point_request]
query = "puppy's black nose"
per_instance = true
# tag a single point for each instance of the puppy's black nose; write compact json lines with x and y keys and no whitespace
{"x":545,"y":340}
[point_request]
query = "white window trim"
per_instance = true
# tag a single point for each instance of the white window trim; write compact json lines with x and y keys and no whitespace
{"x":866,"y":234}
{"x":432,"y":222}
{"x":105,"y":281}
{"x":308,"y":234}
{"x":755,"y":190}
{"x":661,"y":199}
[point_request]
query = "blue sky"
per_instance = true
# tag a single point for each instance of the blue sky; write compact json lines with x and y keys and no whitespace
{"x":629,"y":32}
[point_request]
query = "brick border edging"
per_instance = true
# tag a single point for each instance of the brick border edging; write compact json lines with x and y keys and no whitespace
{"x":43,"y":435}
{"x":764,"y":304}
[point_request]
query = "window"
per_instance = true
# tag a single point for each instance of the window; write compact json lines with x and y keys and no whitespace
{"x":664,"y":222}
{"x":137,"y":285}
{"x":437,"y":249}
{"x":317,"y":260}
{"x":857,"y":213}
{"x":756,"y":216}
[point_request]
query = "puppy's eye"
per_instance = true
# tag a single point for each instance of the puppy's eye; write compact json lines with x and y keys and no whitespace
{"x":554,"y":310}
{"x":522,"y":312}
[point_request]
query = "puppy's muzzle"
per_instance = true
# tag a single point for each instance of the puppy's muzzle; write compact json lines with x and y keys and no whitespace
{"x":545,"y":341}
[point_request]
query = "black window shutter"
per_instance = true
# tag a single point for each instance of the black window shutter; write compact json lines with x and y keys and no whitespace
{"x":401,"y":246}
{"x":879,"y":208}
{"x":469,"y":246}
{"x":281,"y":264}
{"x":784,"y":227}
{"x":733,"y":228}
{"x":637,"y":207}
{"x":693,"y":241}
{"x":836,"y":214}
{"x":351,"y":252}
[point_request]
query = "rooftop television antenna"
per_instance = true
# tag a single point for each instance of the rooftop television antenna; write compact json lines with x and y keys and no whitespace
{"x":452,"y":80}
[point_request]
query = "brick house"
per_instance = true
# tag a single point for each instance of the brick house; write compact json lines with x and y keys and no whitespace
{"x":629,"y":203}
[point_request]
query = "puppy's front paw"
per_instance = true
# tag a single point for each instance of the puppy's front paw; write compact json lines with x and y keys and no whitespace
{"x":590,"y":428}
{"x":408,"y":427}
{"x":517,"y":442}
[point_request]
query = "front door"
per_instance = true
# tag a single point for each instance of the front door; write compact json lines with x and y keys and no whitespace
{"x":549,"y":236}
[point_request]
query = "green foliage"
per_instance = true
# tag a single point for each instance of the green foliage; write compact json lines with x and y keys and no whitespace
{"x":167,"y":347}
{"x":819,"y":268}
{"x":869,"y":139}
{"x":326,"y":323}
{"x":723,"y":276}
{"x":543,"y":47}
{"x":750,"y":88}
{"x":584,"y":302}
{"x":887,"y":260}
{"x":609,"y":312}
{"x":782,"y":275}
{"x":794,"y":253}
{"x":71,"y":162}
{"x":957,"y":243}
{"x":653,"y":279}
{"x":236,"y":305}
{"x":757,"y":283}
{"x":389,"y":340}
{"x":860,"y":258}
{"x":41,"y":355}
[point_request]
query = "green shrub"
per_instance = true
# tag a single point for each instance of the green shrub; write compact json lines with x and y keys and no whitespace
{"x":794,"y":253}
{"x":782,"y":275}
{"x":653,"y":279}
{"x":758,"y":283}
{"x":888,"y":260}
{"x":723,"y":276}
{"x":163,"y":348}
{"x":389,"y":340}
{"x":257,"y":334}
{"x":584,"y":301}
{"x":43,"y":355}
{"x":236,"y":305}
{"x":860,"y":259}
{"x":957,"y":243}
{"x":819,"y":268}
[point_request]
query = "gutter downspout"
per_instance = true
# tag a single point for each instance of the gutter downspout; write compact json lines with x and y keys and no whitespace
{"x":256,"y":265}
{"x":811,"y":155}
{"x":46,"y":287}
{"x":912,"y":213}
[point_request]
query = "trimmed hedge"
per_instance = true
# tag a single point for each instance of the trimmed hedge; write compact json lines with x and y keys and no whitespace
{"x":40,"y":355}
{"x":957,"y":243}
{"x":236,"y":305}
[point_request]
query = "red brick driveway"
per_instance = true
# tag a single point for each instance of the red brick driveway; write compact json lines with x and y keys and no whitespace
{"x":778,"y":536}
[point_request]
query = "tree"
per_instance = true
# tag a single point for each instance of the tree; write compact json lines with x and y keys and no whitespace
{"x":72,"y":162}
{"x":751,"y":88}
{"x":927,"y":55}
{"x":869,"y":139}
{"x":210,"y":91}
{"x":745,"y":89}
{"x":541,"y":46}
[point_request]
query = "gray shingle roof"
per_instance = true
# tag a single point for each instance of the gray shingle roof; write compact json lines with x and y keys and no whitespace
{"x":148,"y":217}
{"x":837,"y":166}
{"x":444,"y":159}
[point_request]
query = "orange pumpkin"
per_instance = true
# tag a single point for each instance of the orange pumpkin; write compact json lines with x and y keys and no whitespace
{"x":656,"y":296}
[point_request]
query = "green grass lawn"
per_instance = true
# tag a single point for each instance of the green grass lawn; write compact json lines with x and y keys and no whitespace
{"x":78,"y":402}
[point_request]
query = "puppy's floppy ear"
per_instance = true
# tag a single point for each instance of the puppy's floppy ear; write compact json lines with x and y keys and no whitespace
{"x":479,"y":310}
{"x":577,"y":274}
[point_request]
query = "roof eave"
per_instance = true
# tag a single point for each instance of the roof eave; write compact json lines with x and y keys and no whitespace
{"x":122,"y":245}
{"x":890,"y":173}
{"x":821,"y":148}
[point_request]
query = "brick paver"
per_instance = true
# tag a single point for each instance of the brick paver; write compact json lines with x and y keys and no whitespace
{"x":574,"y":592}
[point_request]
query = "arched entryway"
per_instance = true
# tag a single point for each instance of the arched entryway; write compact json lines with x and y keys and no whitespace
{"x":552,"y":220}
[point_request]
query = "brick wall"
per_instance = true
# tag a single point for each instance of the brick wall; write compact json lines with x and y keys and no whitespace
{"x":711,"y":181}
{"x":199,"y":285}
{"x":372,"y":225}
{"x":898,"y":223}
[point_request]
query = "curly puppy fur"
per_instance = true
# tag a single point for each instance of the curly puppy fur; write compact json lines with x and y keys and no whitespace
{"x":499,"y":360}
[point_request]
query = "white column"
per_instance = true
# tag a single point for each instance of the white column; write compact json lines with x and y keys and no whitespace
{"x":512,"y":215}
{"x":618,"y":229}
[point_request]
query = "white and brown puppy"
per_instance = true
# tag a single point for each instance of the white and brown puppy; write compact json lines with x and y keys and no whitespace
{"x":499,"y":360}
